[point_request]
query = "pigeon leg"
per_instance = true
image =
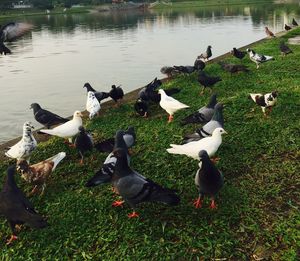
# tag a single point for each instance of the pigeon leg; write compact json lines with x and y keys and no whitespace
{"x":202,"y":91}
{"x":257,"y":66}
{"x":81,"y":160}
{"x":43,"y":189}
{"x":12,"y":238}
{"x":118,"y":203}
{"x":213,"y":204}
{"x":197,"y":202}
{"x":170,"y":118}
{"x":33,"y":191}
{"x":145,"y":115}
{"x":114,"y":190}
{"x":133,"y":214}
{"x":130,"y":151}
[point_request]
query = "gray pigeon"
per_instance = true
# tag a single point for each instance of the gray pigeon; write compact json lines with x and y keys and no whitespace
{"x":217,"y":121}
{"x":104,"y":174}
{"x":204,"y":114}
{"x":208,"y":179}
{"x":135,"y":189}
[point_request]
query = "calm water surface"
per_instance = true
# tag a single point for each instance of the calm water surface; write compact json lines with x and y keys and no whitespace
{"x":51,"y":64}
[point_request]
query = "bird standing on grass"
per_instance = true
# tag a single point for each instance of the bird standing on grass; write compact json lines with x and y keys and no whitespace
{"x":83,"y":142}
{"x":204,"y":114}
{"x":206,"y":55}
{"x":258,"y":58}
{"x":284,"y":49}
{"x":46,"y":118}
{"x":268,"y":32}
{"x":233,"y":68}
{"x":68,"y":129}
{"x":92,"y":105}
{"x":238,"y":54}
{"x":135,"y":188}
{"x":170,"y":105}
{"x":16,"y":208}
{"x":191,"y":149}
{"x":37,"y":174}
{"x":99,"y":95}
{"x":207,"y":81}
{"x":209,"y":180}
{"x":265,"y":100}
{"x":116,"y":93}
{"x":24,"y":148}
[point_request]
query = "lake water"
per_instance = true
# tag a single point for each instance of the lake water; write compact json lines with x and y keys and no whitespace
{"x":50,"y":65}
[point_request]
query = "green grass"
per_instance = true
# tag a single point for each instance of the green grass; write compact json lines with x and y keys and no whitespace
{"x":258,"y":207}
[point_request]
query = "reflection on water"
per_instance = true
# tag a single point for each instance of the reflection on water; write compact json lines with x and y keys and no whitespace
{"x":51,"y":64}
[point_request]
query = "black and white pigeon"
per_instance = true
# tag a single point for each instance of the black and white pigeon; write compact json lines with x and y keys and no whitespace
{"x":99,"y":95}
{"x":207,"y":81}
{"x":265,"y":101}
{"x":217,"y":121}
{"x":46,"y":118}
{"x":16,"y":208}
{"x":209,"y":180}
{"x":24,"y":148}
{"x":135,"y":188}
{"x":287,"y":27}
{"x":83,"y":142}
{"x":206,"y":55}
{"x":116,"y":93}
{"x":10,"y":32}
{"x":141,"y":107}
{"x":104,"y":174}
{"x":238,"y":54}
{"x":129,"y":137}
{"x":204,"y":114}
{"x":294,"y":22}
{"x":258,"y":58}
{"x":284,"y":49}
{"x":199,"y":65}
{"x":233,"y":68}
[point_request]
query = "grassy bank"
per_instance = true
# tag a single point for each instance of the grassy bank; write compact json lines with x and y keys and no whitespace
{"x":205,"y":3}
{"x":258,"y":208}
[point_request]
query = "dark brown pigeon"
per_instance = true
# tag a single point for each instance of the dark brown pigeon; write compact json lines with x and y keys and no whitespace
{"x":284,"y":49}
{"x":294,"y":23}
{"x":287,"y":27}
{"x":238,"y":54}
{"x":233,"y":68}
{"x":16,"y":208}
{"x":268,"y":32}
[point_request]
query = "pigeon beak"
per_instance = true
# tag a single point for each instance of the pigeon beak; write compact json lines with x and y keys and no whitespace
{"x":80,"y":114}
{"x":225,"y":132}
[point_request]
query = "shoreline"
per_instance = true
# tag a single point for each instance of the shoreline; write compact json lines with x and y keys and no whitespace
{"x":128,"y":97}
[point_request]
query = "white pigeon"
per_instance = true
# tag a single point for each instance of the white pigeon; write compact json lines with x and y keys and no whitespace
{"x":169,"y":104}
{"x":24,"y":148}
{"x":68,"y":129}
{"x":258,"y":58}
{"x":265,"y":100}
{"x":92,"y":105}
{"x":191,"y":149}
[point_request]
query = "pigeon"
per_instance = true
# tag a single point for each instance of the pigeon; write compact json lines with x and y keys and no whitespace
{"x":233,"y":68}
{"x":185,"y":69}
{"x":191,"y":149}
{"x":99,"y":95}
{"x":116,"y":93}
{"x":258,"y":58}
{"x":169,"y":71}
{"x":265,"y":100}
{"x":217,"y":121}
{"x":268,"y":32}
{"x":37,"y":174}
{"x":24,"y":148}
{"x":294,"y":23}
{"x":149,"y":91}
{"x":287,"y":27}
{"x":238,"y":54}
{"x":46,"y":118}
{"x":16,"y":208}
{"x":135,"y":188}
{"x":92,"y":105}
{"x":206,"y":55}
{"x":68,"y":129}
{"x":209,"y":180}
{"x":10,"y":32}
{"x":141,"y":107}
{"x":199,"y":64}
{"x":104,"y":174}
{"x":170,"y":105}
{"x":284,"y":49}
{"x":83,"y":142}
{"x":207,"y":81}
{"x":129,"y":137}
{"x":204,"y":114}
